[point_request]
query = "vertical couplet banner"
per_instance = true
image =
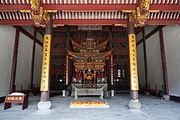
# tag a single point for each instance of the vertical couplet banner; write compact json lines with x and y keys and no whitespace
{"x":46,"y":63}
{"x":112,"y":71}
{"x":133,"y":62}
{"x":67,"y":69}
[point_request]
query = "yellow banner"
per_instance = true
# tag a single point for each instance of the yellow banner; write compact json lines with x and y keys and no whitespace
{"x":45,"y":63}
{"x":133,"y":62}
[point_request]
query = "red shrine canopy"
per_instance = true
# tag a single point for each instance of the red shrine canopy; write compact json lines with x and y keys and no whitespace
{"x":90,"y":12}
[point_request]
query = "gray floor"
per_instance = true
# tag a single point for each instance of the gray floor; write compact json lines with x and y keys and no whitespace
{"x":152,"y":109}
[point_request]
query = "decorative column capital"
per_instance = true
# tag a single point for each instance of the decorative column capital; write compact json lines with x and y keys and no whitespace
{"x":39,"y":15}
{"x":139,"y":16}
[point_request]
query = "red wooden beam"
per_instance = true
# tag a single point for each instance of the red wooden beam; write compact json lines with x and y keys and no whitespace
{"x":75,"y":29}
{"x":113,"y":21}
{"x":163,"y":60}
{"x":16,"y":22}
{"x":33,"y":59}
{"x":14,"y":7}
{"x":79,"y":7}
{"x":145,"y":58}
{"x":165,"y":7}
{"x":150,"y":34}
{"x":66,"y":22}
{"x":163,"y":22}
{"x":89,"y":22}
{"x":30,"y":36}
{"x":90,"y":7}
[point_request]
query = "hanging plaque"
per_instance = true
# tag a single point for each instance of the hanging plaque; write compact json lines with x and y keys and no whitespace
{"x":89,"y":27}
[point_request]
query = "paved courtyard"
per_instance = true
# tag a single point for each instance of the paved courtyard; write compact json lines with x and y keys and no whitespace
{"x":152,"y":109}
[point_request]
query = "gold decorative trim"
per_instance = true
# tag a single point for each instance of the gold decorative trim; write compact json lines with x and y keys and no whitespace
{"x":89,"y":11}
{"x":127,"y":11}
{"x":25,"y":11}
{"x":51,"y":11}
{"x":123,"y":25}
{"x":57,"y":25}
{"x":154,"y":11}
{"x":48,"y":11}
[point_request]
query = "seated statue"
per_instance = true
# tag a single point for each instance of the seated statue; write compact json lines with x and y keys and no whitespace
{"x":89,"y":76}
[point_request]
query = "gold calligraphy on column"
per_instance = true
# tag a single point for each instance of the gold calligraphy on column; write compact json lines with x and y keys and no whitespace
{"x":112,"y":71}
{"x":46,"y":63}
{"x":133,"y":62}
{"x":67,"y":69}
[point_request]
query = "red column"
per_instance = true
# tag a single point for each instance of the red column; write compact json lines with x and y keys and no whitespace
{"x":12,"y":87}
{"x":145,"y":58}
{"x":33,"y":58}
{"x":134,"y":85}
{"x":163,"y":59}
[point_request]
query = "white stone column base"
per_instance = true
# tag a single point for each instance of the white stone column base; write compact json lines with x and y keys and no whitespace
{"x":44,"y":105}
{"x":147,"y":93}
{"x":134,"y":104}
{"x":63,"y":93}
{"x":112,"y":93}
{"x":166,"y":97}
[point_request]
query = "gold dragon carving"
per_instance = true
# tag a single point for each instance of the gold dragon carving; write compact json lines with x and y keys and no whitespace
{"x":35,"y":4}
{"x":39,"y":15}
{"x":141,"y":13}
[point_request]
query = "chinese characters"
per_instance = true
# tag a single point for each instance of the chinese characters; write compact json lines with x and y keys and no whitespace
{"x":45,"y":63}
{"x":133,"y":62}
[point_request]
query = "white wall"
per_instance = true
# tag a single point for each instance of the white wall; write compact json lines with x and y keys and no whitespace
{"x":172,"y":49}
{"x":37,"y":66}
{"x":38,"y":61}
{"x":23,"y":73}
{"x":7,"y":34}
{"x":154,"y":65}
{"x":23,"y":77}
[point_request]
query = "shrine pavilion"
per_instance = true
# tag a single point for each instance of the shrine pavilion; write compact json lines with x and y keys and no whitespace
{"x":90,"y":48}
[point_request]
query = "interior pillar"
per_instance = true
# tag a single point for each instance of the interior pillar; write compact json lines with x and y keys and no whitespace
{"x":67,"y":69}
{"x":145,"y":59}
{"x":112,"y":70}
{"x":164,"y":66}
{"x":134,"y":97}
{"x":33,"y":59}
{"x":44,"y":103}
{"x":12,"y":86}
